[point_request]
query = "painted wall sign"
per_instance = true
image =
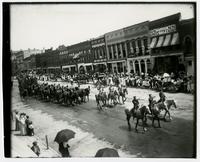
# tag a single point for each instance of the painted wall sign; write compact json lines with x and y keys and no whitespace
{"x":163,"y":30}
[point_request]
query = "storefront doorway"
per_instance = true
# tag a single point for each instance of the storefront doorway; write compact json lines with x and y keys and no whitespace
{"x":166,"y":64}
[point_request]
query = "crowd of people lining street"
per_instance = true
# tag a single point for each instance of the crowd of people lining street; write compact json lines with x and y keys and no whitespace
{"x":167,"y":82}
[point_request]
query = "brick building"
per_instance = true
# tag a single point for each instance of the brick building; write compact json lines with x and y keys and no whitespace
{"x":99,"y":54}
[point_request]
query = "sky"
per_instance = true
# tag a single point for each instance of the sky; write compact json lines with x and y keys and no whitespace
{"x":50,"y":25}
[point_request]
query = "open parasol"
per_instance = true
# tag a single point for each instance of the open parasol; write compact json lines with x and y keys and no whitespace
{"x":107,"y":152}
{"x":64,"y":135}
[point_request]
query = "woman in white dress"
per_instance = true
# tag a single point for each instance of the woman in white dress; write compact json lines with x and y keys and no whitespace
{"x":22,"y":124}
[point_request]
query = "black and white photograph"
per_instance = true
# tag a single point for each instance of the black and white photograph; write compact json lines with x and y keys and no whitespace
{"x":99,"y":80}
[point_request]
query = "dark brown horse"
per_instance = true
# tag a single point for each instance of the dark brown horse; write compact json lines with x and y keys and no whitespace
{"x":156,"y":109}
{"x":139,"y":114}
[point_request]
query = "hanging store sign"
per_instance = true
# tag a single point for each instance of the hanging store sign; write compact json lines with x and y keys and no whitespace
{"x":163,"y":30}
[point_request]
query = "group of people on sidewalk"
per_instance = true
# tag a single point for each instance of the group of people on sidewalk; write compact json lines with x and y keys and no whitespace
{"x":21,"y":122}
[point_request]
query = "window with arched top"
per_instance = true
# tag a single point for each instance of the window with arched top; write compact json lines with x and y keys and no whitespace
{"x":188,"y":45}
{"x":142,"y":61}
{"x":148,"y":61}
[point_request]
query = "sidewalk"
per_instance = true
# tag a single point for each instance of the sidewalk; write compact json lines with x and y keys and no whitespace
{"x":21,"y":146}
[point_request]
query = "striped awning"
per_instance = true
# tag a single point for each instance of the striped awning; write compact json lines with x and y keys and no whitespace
{"x":175,"y":39}
{"x":167,"y":40}
{"x":153,"y":42}
{"x":160,"y":41}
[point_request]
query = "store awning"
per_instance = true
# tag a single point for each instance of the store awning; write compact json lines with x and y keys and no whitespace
{"x":160,"y":41}
{"x":153,"y":42}
{"x":167,"y":40}
{"x":175,"y":39}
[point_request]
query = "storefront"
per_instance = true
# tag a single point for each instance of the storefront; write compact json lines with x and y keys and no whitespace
{"x":117,"y":66}
{"x":99,"y":53}
{"x":165,"y":45}
{"x":69,"y":68}
{"x":100,"y":67}
{"x":188,"y":41}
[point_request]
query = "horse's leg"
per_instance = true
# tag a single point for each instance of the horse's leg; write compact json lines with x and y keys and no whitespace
{"x":153,"y":121}
{"x":143,"y":124}
{"x":164,"y":117}
{"x":169,"y":115}
{"x":145,"y":120}
{"x":105,"y":101}
{"x":119,"y":98}
{"x":128,"y":121}
{"x":159,"y":123}
{"x":136,"y":125}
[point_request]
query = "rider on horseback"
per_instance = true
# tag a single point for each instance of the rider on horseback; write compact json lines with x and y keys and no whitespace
{"x":135,"y":104}
{"x":151,"y":99}
{"x":162,"y":97}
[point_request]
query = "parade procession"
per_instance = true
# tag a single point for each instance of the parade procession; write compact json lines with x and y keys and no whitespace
{"x":127,"y":93}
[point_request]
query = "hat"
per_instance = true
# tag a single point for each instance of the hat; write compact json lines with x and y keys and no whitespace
{"x":35,"y":143}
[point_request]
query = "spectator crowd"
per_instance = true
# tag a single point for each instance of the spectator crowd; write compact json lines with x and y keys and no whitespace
{"x":168,"y":82}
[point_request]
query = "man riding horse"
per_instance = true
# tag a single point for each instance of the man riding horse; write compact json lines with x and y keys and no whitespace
{"x":151,"y":101}
{"x":135,"y":103}
{"x":162,"y":97}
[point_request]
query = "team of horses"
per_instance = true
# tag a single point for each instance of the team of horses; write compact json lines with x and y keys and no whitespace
{"x":70,"y":96}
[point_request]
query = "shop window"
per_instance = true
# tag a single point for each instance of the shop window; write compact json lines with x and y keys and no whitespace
{"x":188,"y":45}
{"x":114,"y":52}
{"x":119,"y":51}
{"x":128,"y":47}
{"x":95,"y":57}
{"x":145,"y":40}
{"x":123,"y":50}
{"x":133,"y":49}
{"x":110,"y":52}
{"x":104,"y":52}
{"x":100,"y":53}
{"x":139,"y":46}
